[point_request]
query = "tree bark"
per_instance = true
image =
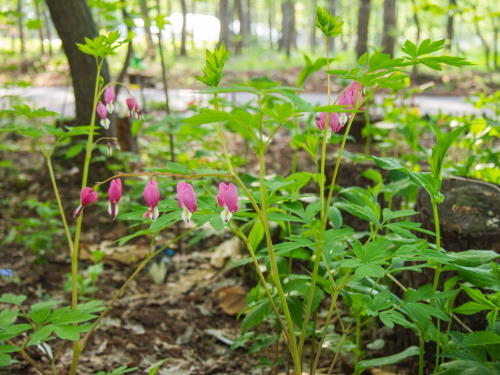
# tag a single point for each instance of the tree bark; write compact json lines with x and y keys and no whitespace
{"x":449,"y":24}
{"x":388,"y":37}
{"x":270,"y":21}
{"x":224,"y":19}
{"x":20,"y":24}
{"x":48,"y":32}
{"x":150,"y":47}
{"x":242,"y":34}
{"x":332,"y":7}
{"x":312,"y":36}
{"x":363,"y":20}
{"x":183,"y":51}
{"x":73,"y":22}
{"x":40,"y":29}
{"x":288,"y":26}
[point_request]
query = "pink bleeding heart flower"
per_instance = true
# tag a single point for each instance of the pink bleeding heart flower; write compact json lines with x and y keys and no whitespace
{"x":152,"y":197}
{"x":133,"y":108}
{"x":350,"y":96}
{"x":227,"y":198}
{"x":186,"y":198}
{"x":335,"y":123}
{"x":87,"y":197}
{"x":109,"y":98}
{"x":114,"y":196}
{"x":103,"y":114}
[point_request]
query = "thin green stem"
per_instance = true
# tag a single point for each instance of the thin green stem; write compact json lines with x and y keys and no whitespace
{"x":59,"y":202}
{"x":421,"y":353}
{"x":263,"y":281}
{"x":80,"y":345}
{"x":437,"y":274}
{"x":27,"y":357}
{"x":321,"y":182}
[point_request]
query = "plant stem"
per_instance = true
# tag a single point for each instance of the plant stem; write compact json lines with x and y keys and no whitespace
{"x":435,"y":284}
{"x":27,"y":357}
{"x":59,"y":203}
{"x":421,"y":354}
{"x":245,"y":239}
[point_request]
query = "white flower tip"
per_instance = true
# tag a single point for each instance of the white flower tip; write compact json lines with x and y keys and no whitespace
{"x":186,"y":215}
{"x":105,"y":123}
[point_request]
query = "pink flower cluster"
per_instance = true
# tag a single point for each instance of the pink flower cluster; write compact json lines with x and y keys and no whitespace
{"x":186,"y":198}
{"x":108,"y":107}
{"x":350,"y":97}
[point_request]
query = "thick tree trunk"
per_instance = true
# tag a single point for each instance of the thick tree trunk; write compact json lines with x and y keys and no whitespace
{"x":312,"y":36}
{"x":183,"y":51}
{"x":388,"y":37}
{"x":20,"y":24}
{"x":332,"y":7}
{"x":270,"y":21}
{"x":224,"y":19}
{"x":150,"y":47}
{"x":288,"y":32}
{"x":363,"y":20}
{"x":48,"y":32}
{"x":242,"y":16}
{"x":40,"y":29}
{"x":73,"y":22}
{"x":449,"y":24}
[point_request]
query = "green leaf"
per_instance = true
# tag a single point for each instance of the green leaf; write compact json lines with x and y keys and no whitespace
{"x":41,"y":334}
{"x":329,"y":25}
{"x":389,"y":317}
{"x":69,"y":332}
{"x":482,"y":278}
{"x":423,"y":293}
{"x":310,"y":68}
{"x":387,"y":214}
{"x":335,"y":216}
{"x":156,"y":366}
{"x":39,"y":316}
{"x":478,"y":296}
{"x":5,"y":359}
{"x":470,"y":308}
{"x":256,"y":234}
{"x":124,"y":240}
{"x":473,"y":258}
{"x":395,"y":358}
{"x":207,"y":116}
{"x":481,"y":338}
{"x":12,"y":299}
{"x":257,"y":315}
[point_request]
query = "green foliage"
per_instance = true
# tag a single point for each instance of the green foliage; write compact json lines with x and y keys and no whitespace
{"x":103,"y":45}
{"x":214,"y":63}
{"x":329,"y":25}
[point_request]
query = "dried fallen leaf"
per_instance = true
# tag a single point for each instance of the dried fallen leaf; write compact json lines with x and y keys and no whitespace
{"x":231,"y":299}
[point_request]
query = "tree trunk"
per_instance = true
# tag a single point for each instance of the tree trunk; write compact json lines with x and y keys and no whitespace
{"x":183,"y":51}
{"x":150,"y":47}
{"x":449,"y":25}
{"x":48,"y":32}
{"x":312,"y":36}
{"x":332,"y":7}
{"x":20,"y":24}
{"x":363,"y":20}
{"x":270,"y":21}
{"x":40,"y":29}
{"x":389,"y":27}
{"x":224,"y":19}
{"x":242,"y":16}
{"x":73,"y":22}
{"x":288,"y":26}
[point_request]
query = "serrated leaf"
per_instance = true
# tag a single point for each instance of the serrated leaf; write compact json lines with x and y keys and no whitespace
{"x":470,"y":308}
{"x":12,"y":299}
{"x":395,"y":358}
{"x":256,"y":315}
